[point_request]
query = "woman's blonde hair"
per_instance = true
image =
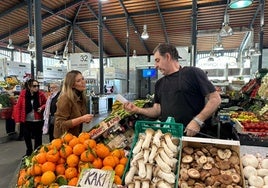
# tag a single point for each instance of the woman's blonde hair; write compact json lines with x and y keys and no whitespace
{"x":68,"y":84}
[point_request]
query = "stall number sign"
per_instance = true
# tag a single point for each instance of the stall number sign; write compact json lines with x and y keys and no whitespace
{"x":96,"y":178}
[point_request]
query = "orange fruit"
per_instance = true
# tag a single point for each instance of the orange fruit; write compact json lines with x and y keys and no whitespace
{"x":97,"y":163}
{"x":73,"y":181}
{"x":90,"y":143}
{"x":56,"y":143}
{"x":21,"y":179}
{"x":116,"y":160}
{"x":61,"y":160}
{"x":37,"y":180}
{"x":87,"y":156}
{"x":83,"y":136}
{"x":72,"y":160}
{"x":71,"y":172}
{"x":53,"y":155}
{"x":60,"y":169}
{"x":117,"y":180}
{"x":65,"y":151}
{"x":67,"y":137}
{"x":116,"y":153}
{"x":123,"y":161}
{"x":78,"y":149}
{"x":109,"y":161}
{"x":48,"y":177}
{"x":119,"y":170}
{"x":107,"y":168}
{"x":74,"y":141}
{"x":48,"y":166}
{"x":43,"y":148}
{"x":122,"y":152}
{"x":35,"y":170}
{"x":40,"y":158}
{"x":102,"y":150}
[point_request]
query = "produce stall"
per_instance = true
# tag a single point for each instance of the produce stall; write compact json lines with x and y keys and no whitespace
{"x":131,"y":146}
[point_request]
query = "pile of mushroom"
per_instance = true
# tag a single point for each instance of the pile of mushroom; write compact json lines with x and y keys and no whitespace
{"x":154,"y":160}
{"x":209,"y":166}
{"x":255,"y":169}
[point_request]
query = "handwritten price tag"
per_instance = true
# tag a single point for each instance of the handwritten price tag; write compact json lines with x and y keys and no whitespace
{"x":96,"y":178}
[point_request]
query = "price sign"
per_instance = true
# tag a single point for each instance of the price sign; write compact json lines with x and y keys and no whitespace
{"x":96,"y":178}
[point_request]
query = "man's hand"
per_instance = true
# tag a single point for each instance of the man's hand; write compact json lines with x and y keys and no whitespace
{"x":192,"y":128}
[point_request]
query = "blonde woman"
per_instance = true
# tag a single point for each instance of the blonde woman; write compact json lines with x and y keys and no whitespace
{"x":71,"y":106}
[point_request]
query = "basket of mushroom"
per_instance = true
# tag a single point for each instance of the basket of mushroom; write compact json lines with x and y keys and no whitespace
{"x":155,"y":155}
{"x":210,"y":163}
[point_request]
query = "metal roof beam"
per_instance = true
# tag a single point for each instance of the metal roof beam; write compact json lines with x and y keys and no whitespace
{"x":14,"y":8}
{"x":106,"y":27}
{"x":162,"y":21}
{"x":134,"y":26}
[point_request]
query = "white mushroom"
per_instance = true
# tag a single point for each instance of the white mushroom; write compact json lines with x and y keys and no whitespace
{"x":249,"y":171}
{"x":136,"y":157}
{"x":145,"y":183}
{"x":141,"y":167}
{"x":149,"y":171}
{"x":250,"y":160}
{"x":138,"y":145}
{"x":164,"y":166}
{"x":264,"y":163}
{"x":166,"y":158}
{"x":152,"y":154}
{"x":163,"y":184}
{"x":148,"y":136}
{"x":256,"y":181}
{"x":262,"y":172}
{"x":265,"y":179}
{"x":170,"y":144}
{"x":137,"y":182}
{"x":130,"y":185}
{"x":157,"y":137}
{"x":130,"y":174}
{"x":168,"y":177}
{"x":167,"y":150}
{"x":146,"y":155}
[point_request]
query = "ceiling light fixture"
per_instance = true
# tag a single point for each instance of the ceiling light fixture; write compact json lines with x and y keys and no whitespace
{"x":226,"y":30}
{"x":211,"y":56}
{"x":144,"y":34}
{"x":218,"y":45}
{"x":31,"y":46}
{"x":134,"y":54}
{"x":10,"y":44}
{"x":56,"y":56}
{"x":237,"y":4}
{"x":257,"y":51}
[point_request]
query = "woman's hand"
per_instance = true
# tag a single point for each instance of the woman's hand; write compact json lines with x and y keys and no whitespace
{"x":130,"y":107}
{"x":87,"y":118}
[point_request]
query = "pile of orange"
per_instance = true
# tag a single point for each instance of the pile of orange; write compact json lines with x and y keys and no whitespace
{"x":61,"y":161}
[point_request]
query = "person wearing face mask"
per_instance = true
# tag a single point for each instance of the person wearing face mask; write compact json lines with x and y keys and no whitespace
{"x":184,"y":93}
{"x":71,"y":106}
{"x":50,"y":109}
{"x":28,"y":112}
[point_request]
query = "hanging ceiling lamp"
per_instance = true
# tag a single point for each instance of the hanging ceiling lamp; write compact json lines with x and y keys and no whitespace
{"x":56,"y":56}
{"x":31,"y":46}
{"x":226,"y":30}
{"x":218,"y":45}
{"x":237,"y":4}
{"x":257,"y":51}
{"x":145,"y":34}
{"x":10,"y":44}
{"x":211,"y":56}
{"x":134,"y":54}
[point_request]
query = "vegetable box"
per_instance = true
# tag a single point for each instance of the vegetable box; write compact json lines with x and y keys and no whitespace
{"x":221,"y":158}
{"x":174,"y":129}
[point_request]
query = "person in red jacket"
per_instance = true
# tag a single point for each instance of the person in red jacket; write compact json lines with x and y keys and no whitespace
{"x":28,"y":112}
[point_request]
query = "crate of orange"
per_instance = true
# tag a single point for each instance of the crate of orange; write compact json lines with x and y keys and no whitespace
{"x":60,"y":162}
{"x":164,"y":140}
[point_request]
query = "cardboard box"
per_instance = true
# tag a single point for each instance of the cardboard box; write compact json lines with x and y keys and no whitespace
{"x":196,"y":142}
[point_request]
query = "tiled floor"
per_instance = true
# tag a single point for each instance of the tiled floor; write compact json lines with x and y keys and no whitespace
{"x":11,"y":152}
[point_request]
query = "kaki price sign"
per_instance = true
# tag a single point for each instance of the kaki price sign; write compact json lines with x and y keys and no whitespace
{"x":96,"y":178}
